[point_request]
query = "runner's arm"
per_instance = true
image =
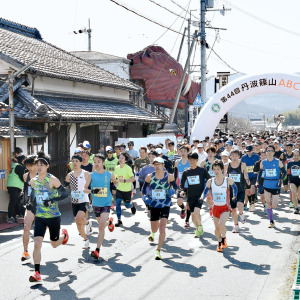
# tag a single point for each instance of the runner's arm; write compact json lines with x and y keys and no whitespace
{"x":234,"y":187}
{"x":113,"y":179}
{"x":244,"y":170}
{"x":87,"y":184}
{"x":282,"y":169}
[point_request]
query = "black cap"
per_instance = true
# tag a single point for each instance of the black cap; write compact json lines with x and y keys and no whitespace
{"x":249,"y":148}
{"x":193,"y":155}
{"x":289,"y":144}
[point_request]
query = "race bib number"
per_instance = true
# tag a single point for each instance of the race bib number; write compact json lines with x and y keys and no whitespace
{"x":295,"y":172}
{"x":111,"y":169}
{"x":271,"y":173}
{"x":263,"y":174}
{"x":41,"y":196}
{"x":102,"y":193}
{"x":235,"y":177}
{"x":219,"y":197}
{"x":211,"y":173}
{"x":158,"y":194}
{"x":77,"y":194}
{"x":250,"y":169}
{"x":193,"y":180}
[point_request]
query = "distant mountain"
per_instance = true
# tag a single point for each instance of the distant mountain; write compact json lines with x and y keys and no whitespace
{"x":257,"y":106}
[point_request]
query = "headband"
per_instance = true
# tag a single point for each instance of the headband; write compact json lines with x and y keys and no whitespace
{"x":44,"y":159}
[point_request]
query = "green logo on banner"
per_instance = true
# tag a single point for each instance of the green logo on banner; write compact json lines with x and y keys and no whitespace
{"x":215,"y":107}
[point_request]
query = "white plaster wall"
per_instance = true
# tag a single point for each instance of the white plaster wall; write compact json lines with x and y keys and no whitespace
{"x":72,"y":133}
{"x":22,"y":143}
{"x":49,"y":84}
{"x":120,"y":69}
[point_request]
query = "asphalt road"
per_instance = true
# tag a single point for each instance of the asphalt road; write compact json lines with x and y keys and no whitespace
{"x":258,"y":263}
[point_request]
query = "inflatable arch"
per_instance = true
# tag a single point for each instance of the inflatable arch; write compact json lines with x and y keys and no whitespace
{"x":239,"y":90}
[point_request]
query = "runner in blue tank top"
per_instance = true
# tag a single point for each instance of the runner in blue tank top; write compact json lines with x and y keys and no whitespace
{"x":250,"y":159}
{"x":181,"y":165}
{"x":273,"y":171}
{"x":100,"y":181}
{"x":159,"y":200}
{"x":293,"y":169}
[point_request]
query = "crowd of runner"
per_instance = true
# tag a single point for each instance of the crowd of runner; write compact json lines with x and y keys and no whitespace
{"x":228,"y":172}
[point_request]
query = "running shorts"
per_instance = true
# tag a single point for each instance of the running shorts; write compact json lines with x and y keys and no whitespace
{"x":261,"y":189}
{"x":76,"y":207}
{"x":31,"y":207}
{"x":239,"y":198}
{"x":285,"y":181}
{"x":218,"y":210}
{"x":126,"y":196}
{"x":41,"y":225}
{"x":272,"y":191}
{"x":158,"y":213}
{"x":100,"y":210}
{"x":296,"y":182}
{"x":194,"y":203}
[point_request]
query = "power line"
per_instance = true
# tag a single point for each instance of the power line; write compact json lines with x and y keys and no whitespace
{"x":183,"y":8}
{"x":264,"y":21}
{"x":167,"y":9}
{"x":133,"y":11}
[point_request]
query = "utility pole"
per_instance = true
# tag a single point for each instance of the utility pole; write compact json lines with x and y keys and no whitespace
{"x":181,"y":44}
{"x":182,"y":79}
{"x":11,"y":114}
{"x":203,"y":49}
{"x":89,"y":35}
{"x":10,"y":82}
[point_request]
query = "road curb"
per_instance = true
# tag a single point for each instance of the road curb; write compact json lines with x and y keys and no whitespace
{"x":296,"y":285}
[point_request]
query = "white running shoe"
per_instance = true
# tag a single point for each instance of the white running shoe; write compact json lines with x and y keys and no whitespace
{"x":235,"y":229}
{"x":253,"y":207}
{"x":89,"y":228}
{"x":242,"y":218}
{"x":86,"y":244}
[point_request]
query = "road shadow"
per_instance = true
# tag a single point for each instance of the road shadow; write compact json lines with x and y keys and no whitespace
{"x":136,"y":229}
{"x":114,"y":266}
{"x":287,"y":230}
{"x":64,"y":292}
{"x":229,"y":252}
{"x":184,"y":267}
{"x":176,"y":250}
{"x":51,"y":270}
{"x":259,"y":242}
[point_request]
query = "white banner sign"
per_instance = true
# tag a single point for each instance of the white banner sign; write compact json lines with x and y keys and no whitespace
{"x":239,"y":90}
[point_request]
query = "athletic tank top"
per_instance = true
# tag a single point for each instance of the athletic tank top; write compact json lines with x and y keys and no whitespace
{"x":294,"y":170}
{"x":159,"y":191}
{"x":77,"y":185}
{"x":237,"y":176}
{"x":208,"y":167}
{"x":181,"y":167}
{"x":272,"y":173}
{"x":43,"y":191}
{"x":220,"y":192}
{"x":102,"y":182}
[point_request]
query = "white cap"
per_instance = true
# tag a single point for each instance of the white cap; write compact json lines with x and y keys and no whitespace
{"x":159,"y":160}
{"x":235,"y":147}
{"x":194,"y":138}
{"x":225,"y":153}
{"x":158,"y":150}
{"x":200,"y":146}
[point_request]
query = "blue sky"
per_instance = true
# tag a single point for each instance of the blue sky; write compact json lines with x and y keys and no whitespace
{"x":248,"y":45}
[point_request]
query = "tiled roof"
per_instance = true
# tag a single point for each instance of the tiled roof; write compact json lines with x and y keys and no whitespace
{"x":20,"y":130}
{"x":89,"y":109}
{"x":19,"y":48}
{"x":25,"y":105}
